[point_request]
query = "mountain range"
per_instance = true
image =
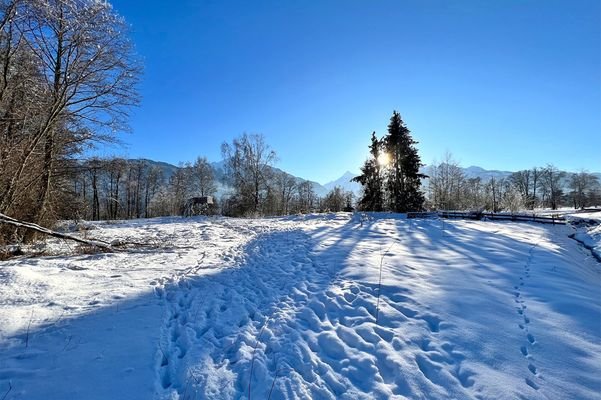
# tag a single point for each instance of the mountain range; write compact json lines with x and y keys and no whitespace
{"x":344,"y":181}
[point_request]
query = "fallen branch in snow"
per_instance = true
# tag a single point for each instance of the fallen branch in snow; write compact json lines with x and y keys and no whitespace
{"x":5,"y":219}
{"x":115,"y":245}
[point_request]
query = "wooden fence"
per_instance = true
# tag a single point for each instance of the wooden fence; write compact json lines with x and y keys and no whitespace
{"x":544,"y":219}
{"x":429,"y":214}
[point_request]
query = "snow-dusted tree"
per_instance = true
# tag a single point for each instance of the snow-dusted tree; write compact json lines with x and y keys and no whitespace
{"x":204,"y":177}
{"x":474,"y":193}
{"x":286,"y":185}
{"x":78,"y":68}
{"x":584,"y":186}
{"x":154,"y":181}
{"x":513,"y":199}
{"x":306,"y":197}
{"x":495,"y":188}
{"x":180,"y":186}
{"x":551,"y":186}
{"x":522,"y":182}
{"x":335,"y":200}
{"x":248,"y":164}
{"x":447,"y":184}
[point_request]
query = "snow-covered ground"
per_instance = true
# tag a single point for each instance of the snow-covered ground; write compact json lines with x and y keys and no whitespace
{"x":587,"y":230}
{"x":292,"y":308}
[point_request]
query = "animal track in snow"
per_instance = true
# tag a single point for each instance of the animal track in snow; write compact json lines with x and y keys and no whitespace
{"x":523,"y":325}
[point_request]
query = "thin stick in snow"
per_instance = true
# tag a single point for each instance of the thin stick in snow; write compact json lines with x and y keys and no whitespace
{"x":273,"y":383}
{"x":252,"y":363}
{"x":68,"y":342}
{"x":28,"y":327}
{"x":10,"y":387}
{"x":380,"y":281}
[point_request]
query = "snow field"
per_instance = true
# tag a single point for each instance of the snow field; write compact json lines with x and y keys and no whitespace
{"x":286,"y":308}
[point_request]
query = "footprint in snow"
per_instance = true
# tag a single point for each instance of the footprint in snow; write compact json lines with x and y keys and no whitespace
{"x":531,"y":384}
{"x":524,"y":351}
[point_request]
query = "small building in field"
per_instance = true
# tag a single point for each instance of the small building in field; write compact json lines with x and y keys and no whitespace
{"x":197,"y":205}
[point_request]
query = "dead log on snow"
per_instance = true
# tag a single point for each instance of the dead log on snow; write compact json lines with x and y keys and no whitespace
{"x":5,"y":219}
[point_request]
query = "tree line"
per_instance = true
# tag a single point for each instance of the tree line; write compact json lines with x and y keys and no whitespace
{"x":391,"y":181}
{"x":248,"y":184}
{"x":540,"y":187}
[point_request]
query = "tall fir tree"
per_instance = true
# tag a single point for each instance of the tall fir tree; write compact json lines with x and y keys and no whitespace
{"x":402,"y":175}
{"x":371,"y":179}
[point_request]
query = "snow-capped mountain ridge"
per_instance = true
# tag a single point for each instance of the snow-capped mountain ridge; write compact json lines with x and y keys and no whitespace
{"x":345,"y":183}
{"x":345,"y":180}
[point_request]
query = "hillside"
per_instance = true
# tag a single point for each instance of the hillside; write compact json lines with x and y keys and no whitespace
{"x":223,"y":187}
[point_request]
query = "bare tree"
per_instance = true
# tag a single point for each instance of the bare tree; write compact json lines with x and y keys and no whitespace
{"x":583,"y":187}
{"x":248,"y":163}
{"x":153,"y":183}
{"x":521,"y":181}
{"x":203,"y":177}
{"x":180,"y":187}
{"x":115,"y":169}
{"x":335,"y":200}
{"x":447,"y":184}
{"x":513,"y":199}
{"x":94,"y":168}
{"x":306,"y":197}
{"x":286,"y":185}
{"x":79,"y":64}
{"x":536,"y":176}
{"x":550,"y":183}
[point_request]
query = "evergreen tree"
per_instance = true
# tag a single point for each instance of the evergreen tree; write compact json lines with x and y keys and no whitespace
{"x":371,"y":179}
{"x":403,"y":177}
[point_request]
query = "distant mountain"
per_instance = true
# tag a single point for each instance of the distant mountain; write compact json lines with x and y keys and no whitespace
{"x":318,"y":189}
{"x":219,"y":170}
{"x":478,"y":172}
{"x":166,"y":168}
{"x":470,"y":172}
{"x":345,"y":183}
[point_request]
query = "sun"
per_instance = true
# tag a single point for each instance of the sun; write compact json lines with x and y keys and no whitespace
{"x":383,"y":159}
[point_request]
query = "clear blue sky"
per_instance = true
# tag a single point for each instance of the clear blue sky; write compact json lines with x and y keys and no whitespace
{"x":500,"y":84}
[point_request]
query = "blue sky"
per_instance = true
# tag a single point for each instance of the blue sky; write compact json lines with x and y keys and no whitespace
{"x":500,"y":84}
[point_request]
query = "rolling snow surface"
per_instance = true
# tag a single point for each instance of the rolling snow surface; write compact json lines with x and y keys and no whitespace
{"x":293,"y":308}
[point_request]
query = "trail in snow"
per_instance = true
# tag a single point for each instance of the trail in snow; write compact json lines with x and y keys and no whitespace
{"x":213,"y":322}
